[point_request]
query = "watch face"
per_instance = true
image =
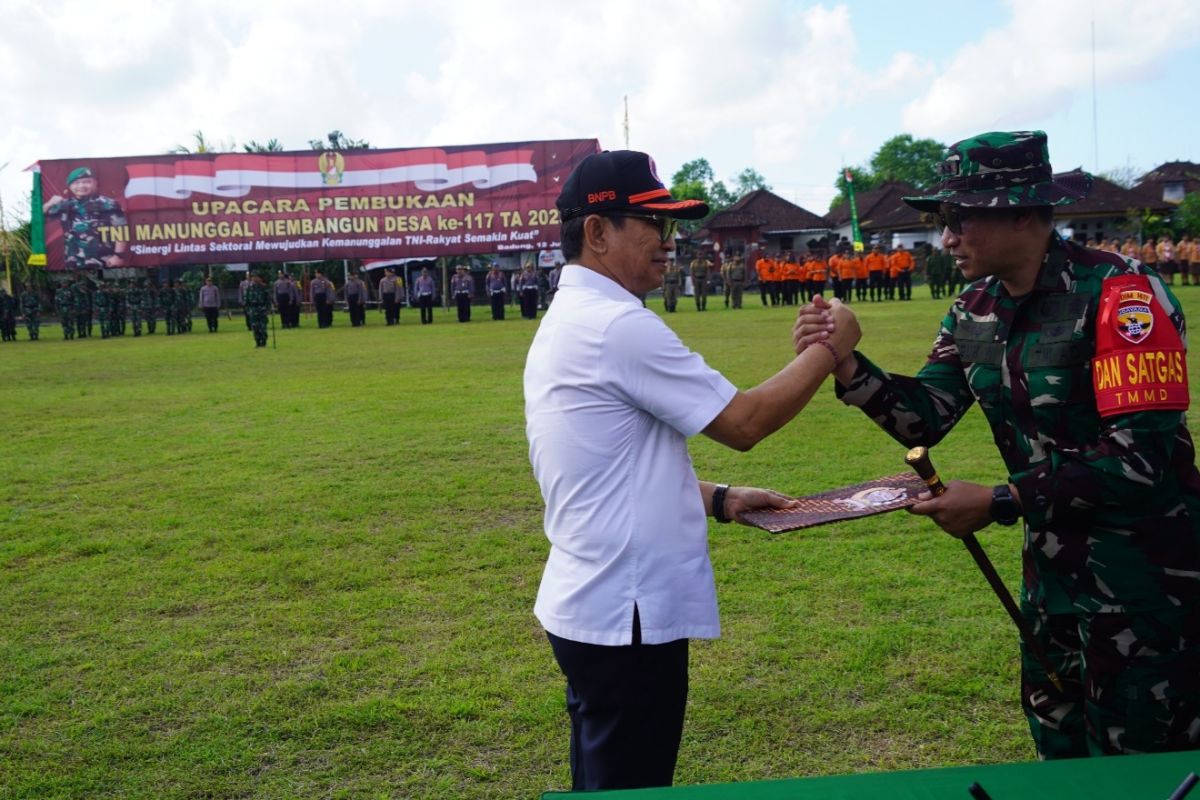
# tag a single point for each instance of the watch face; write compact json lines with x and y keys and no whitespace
{"x":1004,"y":509}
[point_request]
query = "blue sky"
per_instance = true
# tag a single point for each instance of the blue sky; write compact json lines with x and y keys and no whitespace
{"x":793,"y":89}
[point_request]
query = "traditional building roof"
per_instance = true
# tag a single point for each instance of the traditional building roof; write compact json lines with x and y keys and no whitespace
{"x":879,"y":209}
{"x":1171,"y":181}
{"x":766,"y":211}
{"x":1108,"y":199}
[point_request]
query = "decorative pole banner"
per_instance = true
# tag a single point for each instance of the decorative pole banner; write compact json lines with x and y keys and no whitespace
{"x":855,"y":232}
{"x":851,"y":502}
{"x":37,"y":228}
{"x":304,"y":206}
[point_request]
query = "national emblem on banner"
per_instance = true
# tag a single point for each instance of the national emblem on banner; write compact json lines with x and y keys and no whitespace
{"x":332,"y":166}
{"x":1134,"y":317}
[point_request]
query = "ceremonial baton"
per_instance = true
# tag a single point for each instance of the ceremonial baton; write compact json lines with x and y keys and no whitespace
{"x":271,"y":314}
{"x":918,"y":459}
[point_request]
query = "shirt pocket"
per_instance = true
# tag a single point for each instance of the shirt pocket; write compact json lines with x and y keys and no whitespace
{"x":1058,"y":366}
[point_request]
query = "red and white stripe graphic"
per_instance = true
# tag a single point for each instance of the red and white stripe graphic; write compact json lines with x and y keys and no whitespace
{"x":238,"y":174}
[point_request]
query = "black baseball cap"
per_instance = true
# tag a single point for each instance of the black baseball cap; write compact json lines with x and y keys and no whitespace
{"x":621,"y":180}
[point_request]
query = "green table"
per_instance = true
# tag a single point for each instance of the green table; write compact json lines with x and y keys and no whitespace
{"x":1149,"y":777}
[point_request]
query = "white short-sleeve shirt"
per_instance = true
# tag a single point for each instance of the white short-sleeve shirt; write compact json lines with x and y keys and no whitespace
{"x":611,"y":395}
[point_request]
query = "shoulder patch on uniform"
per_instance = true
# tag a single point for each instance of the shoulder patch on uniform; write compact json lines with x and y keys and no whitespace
{"x":1139,"y":365}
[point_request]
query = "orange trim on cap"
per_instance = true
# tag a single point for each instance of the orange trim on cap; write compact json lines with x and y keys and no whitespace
{"x":651,"y":195}
{"x":673,"y":206}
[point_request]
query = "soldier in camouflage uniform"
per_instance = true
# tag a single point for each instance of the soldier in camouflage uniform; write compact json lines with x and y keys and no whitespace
{"x":1076,"y":358}
{"x":65,"y":309}
{"x":939,"y":265}
{"x":258,"y":305}
{"x":82,"y":214}
{"x":102,"y":300}
{"x":81,"y":297}
{"x":31,"y":307}
{"x":8,"y":316}
{"x":119,"y":309}
{"x":166,"y":299}
{"x":133,"y":306}
{"x":185,"y":301}
{"x":150,"y":307}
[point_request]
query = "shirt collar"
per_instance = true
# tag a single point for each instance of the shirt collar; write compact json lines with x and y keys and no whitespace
{"x":584,"y":277}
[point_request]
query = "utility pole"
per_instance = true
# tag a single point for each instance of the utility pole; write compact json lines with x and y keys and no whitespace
{"x":626,"y":124}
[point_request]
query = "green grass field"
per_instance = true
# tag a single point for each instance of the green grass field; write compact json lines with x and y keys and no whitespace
{"x":309,"y":572}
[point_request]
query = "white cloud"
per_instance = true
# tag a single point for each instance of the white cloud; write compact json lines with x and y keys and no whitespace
{"x":1041,"y":62}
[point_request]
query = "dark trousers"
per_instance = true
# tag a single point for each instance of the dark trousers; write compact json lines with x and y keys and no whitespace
{"x":358,"y":312}
{"x":210,"y":316}
{"x":284,"y":303}
{"x":391,"y":311}
{"x":324,"y":311}
{"x":904,"y":284}
{"x":425,"y":301}
{"x":497,"y":305}
{"x":626,"y":706}
{"x":463,"y":303}
{"x":529,"y":303}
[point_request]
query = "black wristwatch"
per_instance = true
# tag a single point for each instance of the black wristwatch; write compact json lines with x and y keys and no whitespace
{"x":718,"y":502}
{"x":1004,"y":508}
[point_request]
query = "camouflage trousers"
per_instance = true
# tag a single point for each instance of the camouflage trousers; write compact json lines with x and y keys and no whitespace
{"x":68,"y":326}
{"x":32,"y":325}
{"x":258,"y":326}
{"x":1131,"y":682}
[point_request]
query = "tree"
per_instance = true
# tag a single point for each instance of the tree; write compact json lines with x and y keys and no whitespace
{"x":336,"y":140}
{"x":749,"y":180}
{"x":1187,"y":215}
{"x":1126,"y":177}
{"x":201,"y":144}
{"x":913,"y":161}
{"x":864,"y":180}
{"x":272,"y":146}
{"x":900,"y":158}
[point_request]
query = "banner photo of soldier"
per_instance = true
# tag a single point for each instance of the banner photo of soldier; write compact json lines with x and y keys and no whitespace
{"x":890,"y":493}
{"x":305,"y":206}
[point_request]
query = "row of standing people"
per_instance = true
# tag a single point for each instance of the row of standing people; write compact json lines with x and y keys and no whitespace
{"x":82,"y":307}
{"x":1162,"y":253}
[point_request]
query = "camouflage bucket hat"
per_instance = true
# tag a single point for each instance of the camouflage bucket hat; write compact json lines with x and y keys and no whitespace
{"x":1002,"y":169}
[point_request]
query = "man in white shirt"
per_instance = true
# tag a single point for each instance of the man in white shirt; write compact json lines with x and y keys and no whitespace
{"x":611,"y":395}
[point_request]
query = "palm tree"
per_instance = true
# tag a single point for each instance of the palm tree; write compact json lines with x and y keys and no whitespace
{"x":201,"y":144}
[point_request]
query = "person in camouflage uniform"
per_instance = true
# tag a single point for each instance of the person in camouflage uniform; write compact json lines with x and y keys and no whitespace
{"x":185,"y":301}
{"x":64,"y":307}
{"x":81,"y":215}
{"x":939,"y":265}
{"x":31,"y":307}
{"x":133,"y":306}
{"x":166,"y":299}
{"x":258,"y":305}
{"x":8,"y":316}
{"x":1102,"y":471}
{"x":102,"y":301}
{"x":81,"y":300}
{"x":119,"y":309}
{"x":150,"y":307}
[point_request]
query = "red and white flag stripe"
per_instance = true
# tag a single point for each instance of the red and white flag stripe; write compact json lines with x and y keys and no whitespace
{"x":238,"y":174}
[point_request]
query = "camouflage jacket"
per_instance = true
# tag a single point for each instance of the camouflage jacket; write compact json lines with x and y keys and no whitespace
{"x":30,"y":302}
{"x":1112,"y":505}
{"x":257,"y":298}
{"x":81,"y":220}
{"x":64,"y":300}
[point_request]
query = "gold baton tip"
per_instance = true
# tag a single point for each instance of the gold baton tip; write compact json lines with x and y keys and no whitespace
{"x":916,"y":454}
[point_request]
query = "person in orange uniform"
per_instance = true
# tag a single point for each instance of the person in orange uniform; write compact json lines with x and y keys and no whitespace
{"x":900,"y":269}
{"x":856,"y":266}
{"x":1167,"y":263}
{"x":1149,"y":256}
{"x":818,"y":274}
{"x":876,"y":264}
{"x":835,"y":275}
{"x":762,"y":268}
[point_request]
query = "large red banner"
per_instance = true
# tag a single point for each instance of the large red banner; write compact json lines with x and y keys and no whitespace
{"x":304,"y":206}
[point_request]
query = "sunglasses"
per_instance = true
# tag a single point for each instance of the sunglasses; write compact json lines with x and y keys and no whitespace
{"x":667,"y":226}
